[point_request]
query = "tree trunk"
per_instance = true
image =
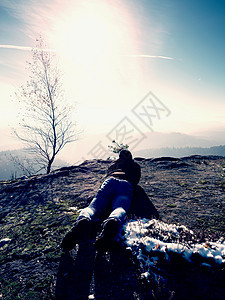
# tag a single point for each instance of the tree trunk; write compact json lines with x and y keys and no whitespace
{"x":49,"y":165}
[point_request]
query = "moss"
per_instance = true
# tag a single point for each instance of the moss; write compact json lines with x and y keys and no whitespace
{"x":171,"y":205}
{"x":43,"y":284}
{"x":32,"y":295}
{"x":11,"y":290}
{"x":34,"y":230}
{"x":3,"y":258}
{"x":213,"y":223}
{"x":202,"y":181}
{"x":53,"y":255}
{"x":150,"y":195}
{"x":221,"y":183}
{"x":30,"y":283}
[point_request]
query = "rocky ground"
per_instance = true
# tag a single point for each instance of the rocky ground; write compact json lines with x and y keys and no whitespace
{"x":36,"y":212}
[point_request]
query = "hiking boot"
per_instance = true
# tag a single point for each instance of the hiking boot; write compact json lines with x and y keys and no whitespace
{"x":105,"y":239}
{"x":79,"y":232}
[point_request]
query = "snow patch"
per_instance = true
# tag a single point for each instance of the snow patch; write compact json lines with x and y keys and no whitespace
{"x":147,"y":238}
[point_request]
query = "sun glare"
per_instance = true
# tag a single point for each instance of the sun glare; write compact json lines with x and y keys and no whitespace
{"x":85,"y":39}
{"x":94,"y":30}
{"x":93,"y":40}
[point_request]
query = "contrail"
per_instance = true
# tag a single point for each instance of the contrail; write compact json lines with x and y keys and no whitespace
{"x":149,"y":56}
{"x":16,"y":47}
{"x":25,"y":48}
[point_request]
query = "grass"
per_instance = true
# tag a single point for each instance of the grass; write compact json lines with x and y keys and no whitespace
{"x":36,"y":229}
{"x":11,"y":290}
{"x":214,"y":223}
{"x":36,"y":233}
{"x":35,"y":289}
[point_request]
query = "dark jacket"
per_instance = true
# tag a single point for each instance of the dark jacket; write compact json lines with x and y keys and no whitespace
{"x":141,"y":205}
{"x":126,"y":169}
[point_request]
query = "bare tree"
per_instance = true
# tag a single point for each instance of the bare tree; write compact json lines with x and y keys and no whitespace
{"x":23,"y":165}
{"x":46,"y":125}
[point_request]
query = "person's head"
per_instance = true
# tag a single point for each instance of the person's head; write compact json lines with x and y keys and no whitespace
{"x":125,"y":155}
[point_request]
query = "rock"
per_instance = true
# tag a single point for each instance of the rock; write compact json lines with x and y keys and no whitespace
{"x":36,"y":213}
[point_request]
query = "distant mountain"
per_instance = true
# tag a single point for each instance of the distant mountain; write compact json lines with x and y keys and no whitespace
{"x":10,"y":169}
{"x":181,"y":152}
{"x":177,"y":139}
{"x":155,"y":144}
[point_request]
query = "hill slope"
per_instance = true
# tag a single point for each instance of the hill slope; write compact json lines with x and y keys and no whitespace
{"x":36,"y":213}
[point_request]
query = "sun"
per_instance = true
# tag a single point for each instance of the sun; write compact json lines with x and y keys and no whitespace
{"x":94,"y":30}
{"x":93,"y":40}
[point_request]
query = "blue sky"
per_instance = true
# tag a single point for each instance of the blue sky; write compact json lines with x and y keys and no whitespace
{"x":114,"y":52}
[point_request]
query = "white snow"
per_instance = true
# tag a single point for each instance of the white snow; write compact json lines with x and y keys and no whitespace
{"x":144,"y":235}
{"x":4,"y":241}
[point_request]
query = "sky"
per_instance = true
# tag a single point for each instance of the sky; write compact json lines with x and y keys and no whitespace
{"x":131,"y":66}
